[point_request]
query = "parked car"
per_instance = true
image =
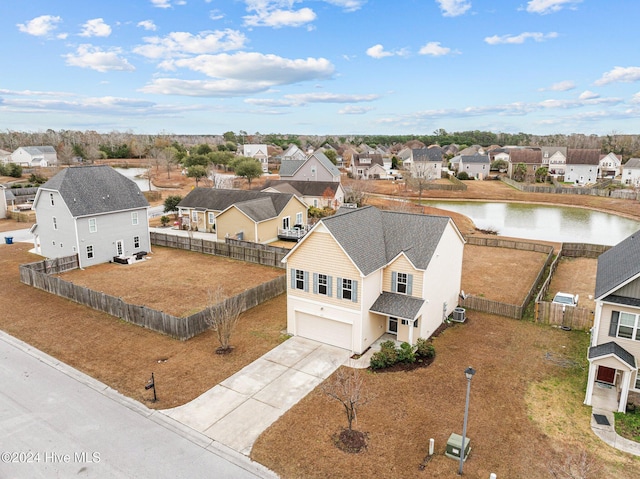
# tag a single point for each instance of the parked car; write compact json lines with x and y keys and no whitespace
{"x":566,"y":299}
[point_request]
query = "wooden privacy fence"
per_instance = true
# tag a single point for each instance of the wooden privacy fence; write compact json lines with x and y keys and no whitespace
{"x":626,"y":194}
{"x":38,"y":276}
{"x":572,"y":317}
{"x":496,"y":307}
{"x":264,"y":255}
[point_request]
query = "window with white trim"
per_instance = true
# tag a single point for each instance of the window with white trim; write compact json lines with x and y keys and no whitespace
{"x":194,"y":216}
{"x":93,"y":225}
{"x":401,"y":285}
{"x":323,"y":284}
{"x":90,"y":251}
{"x":212,"y":217}
{"x":624,"y":325}
{"x":299,"y":279}
{"x":136,"y":241}
{"x":299,"y":218}
{"x":134,"y":218}
{"x":347,"y":288}
{"x":406,"y":322}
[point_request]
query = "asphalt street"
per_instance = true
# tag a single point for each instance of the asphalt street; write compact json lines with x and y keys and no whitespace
{"x":59,"y":422}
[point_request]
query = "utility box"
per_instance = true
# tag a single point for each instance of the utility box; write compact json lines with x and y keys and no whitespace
{"x":454,"y":445}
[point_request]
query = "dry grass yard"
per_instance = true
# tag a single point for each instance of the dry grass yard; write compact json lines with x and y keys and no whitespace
{"x":576,"y":276}
{"x":175,"y":281}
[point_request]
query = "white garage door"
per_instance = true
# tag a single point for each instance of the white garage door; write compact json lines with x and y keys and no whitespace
{"x":323,"y":330}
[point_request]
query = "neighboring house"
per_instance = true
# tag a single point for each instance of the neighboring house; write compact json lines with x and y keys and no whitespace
{"x":404,"y":157}
{"x":293,"y":153}
{"x":472,"y":150}
{"x":260,"y":217}
{"x":555,"y":159}
{"x":5,"y":156}
{"x":365,"y":272}
{"x":631,"y":172}
{"x":314,"y":193}
{"x":367,"y":166}
{"x":499,"y":154}
{"x":610,"y":165}
{"x":315,"y":167}
{"x":530,"y":157}
{"x":583,"y":166}
{"x":34,"y":156}
{"x":3,"y":202}
{"x":258,"y":152}
{"x":615,"y":337}
{"x":426,"y":163}
{"x":476,"y":166}
{"x":93,"y":211}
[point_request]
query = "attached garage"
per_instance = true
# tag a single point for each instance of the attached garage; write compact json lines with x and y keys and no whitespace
{"x":323,"y":330}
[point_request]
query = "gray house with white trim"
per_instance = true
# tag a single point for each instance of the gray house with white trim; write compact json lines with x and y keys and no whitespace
{"x":93,"y":211}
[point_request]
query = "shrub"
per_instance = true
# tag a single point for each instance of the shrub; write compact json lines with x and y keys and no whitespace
{"x":424,"y":349}
{"x":378,"y":361}
{"x":164,"y":220}
{"x":406,"y":354}
{"x":463,"y":175}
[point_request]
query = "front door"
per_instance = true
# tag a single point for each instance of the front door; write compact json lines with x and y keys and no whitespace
{"x":119,"y":248}
{"x":606,"y":375}
{"x":392,"y":326}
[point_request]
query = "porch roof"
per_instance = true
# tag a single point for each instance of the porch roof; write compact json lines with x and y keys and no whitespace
{"x":609,"y":348}
{"x":397,"y":305}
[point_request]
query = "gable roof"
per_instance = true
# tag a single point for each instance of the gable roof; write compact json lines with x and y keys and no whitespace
{"x":372,"y":237}
{"x":552,"y":150}
{"x":251,"y":150}
{"x":90,"y":190}
{"x":583,"y":156}
{"x":618,"y":265}
{"x":427,"y":154}
{"x":397,"y":305}
{"x":525,"y":155}
{"x":609,"y":348}
{"x":477,"y":158}
{"x":39,"y":150}
{"x":258,"y":205}
{"x":632,"y":163}
{"x":289,"y":167}
{"x":326,"y":162}
{"x":376,"y":159}
{"x":302,"y":188}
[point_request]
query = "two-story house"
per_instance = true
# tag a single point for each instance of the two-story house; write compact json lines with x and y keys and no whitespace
{"x":475,"y":166}
{"x":367,"y":166}
{"x":365,"y":272}
{"x":34,"y":156}
{"x":257,"y":152}
{"x":615,"y":336}
{"x":318,"y":194}
{"x":610,"y":165}
{"x":426,"y":163}
{"x":93,"y":211}
{"x":555,"y":159}
{"x":315,"y":167}
{"x":583,"y":166}
{"x":631,"y":172}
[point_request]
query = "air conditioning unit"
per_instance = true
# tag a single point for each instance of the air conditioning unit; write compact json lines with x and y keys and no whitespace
{"x":459,"y":315}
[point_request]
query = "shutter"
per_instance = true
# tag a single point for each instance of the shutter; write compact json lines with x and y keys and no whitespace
{"x":293,"y":278}
{"x":613,"y":326}
{"x":409,"y":284}
{"x":394,"y":282}
{"x":306,"y":281}
{"x":339,"y":288}
{"x":354,"y":293}
{"x":329,"y":285}
{"x":315,"y":283}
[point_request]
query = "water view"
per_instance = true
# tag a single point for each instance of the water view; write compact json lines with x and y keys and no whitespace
{"x":135,"y":175}
{"x":542,"y":222}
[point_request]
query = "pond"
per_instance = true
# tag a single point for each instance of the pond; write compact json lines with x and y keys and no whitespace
{"x":544,"y":222}
{"x":135,"y":175}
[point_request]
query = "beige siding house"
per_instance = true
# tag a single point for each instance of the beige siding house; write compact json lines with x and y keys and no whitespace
{"x":615,"y":336}
{"x":256,"y":216}
{"x":314,"y":193}
{"x":365,"y":272}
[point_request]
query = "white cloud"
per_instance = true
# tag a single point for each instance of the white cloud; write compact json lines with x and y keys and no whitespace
{"x":185,"y":43}
{"x":434,"y":49}
{"x":347,"y":5}
{"x":620,"y":74}
{"x":517,"y":39}
{"x":355,"y":110}
{"x":378,"y":51}
{"x":453,"y":8}
{"x":95,"y":28}
{"x":147,"y":25}
{"x":549,"y":6}
{"x":635,"y":98}
{"x":278,"y":18}
{"x":561,"y":86}
{"x":40,"y":26}
{"x":588,"y":95}
{"x":216,"y":15}
{"x":204,"y":88}
{"x":161,"y":3}
{"x":88,"y":56}
{"x":301,"y":99}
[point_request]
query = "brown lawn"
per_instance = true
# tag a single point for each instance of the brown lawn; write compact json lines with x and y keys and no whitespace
{"x":123,"y":355}
{"x":174,"y":281}
{"x":575,"y":276}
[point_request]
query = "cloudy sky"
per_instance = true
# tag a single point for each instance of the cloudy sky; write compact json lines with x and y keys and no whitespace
{"x":321,"y":66}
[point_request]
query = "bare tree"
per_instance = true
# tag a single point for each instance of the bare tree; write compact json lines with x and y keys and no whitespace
{"x":579,"y":466}
{"x":222,"y":316}
{"x":356,"y":192}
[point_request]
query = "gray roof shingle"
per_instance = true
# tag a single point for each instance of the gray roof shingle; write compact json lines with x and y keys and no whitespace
{"x":302,"y":188}
{"x":372,"y":237}
{"x":258,"y":205}
{"x":426,"y":154}
{"x":618,"y":265}
{"x":612,"y":348}
{"x":397,"y":305}
{"x":91,"y":190}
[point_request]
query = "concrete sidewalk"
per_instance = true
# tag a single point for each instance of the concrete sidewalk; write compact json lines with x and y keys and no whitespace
{"x":236,"y":411}
{"x":604,"y":401}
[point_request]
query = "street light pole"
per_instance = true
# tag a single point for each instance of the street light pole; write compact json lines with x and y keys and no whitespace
{"x":469,"y":372}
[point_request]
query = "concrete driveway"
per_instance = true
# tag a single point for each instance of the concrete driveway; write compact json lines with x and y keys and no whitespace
{"x":240,"y":408}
